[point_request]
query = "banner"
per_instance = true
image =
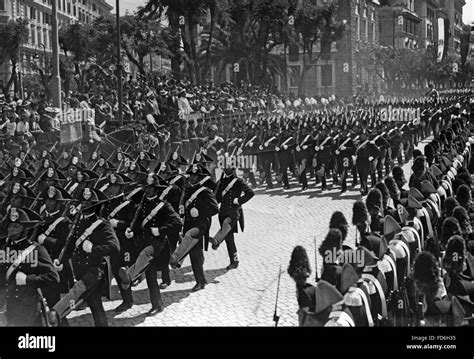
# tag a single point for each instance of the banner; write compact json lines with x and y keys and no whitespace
{"x":441,"y":33}
{"x":400,"y":114}
{"x":71,"y":124}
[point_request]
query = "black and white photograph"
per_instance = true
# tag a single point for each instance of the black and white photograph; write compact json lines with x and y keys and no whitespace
{"x":181,"y":167}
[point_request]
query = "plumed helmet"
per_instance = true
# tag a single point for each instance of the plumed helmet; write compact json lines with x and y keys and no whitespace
{"x":374,"y":200}
{"x":359,"y":213}
{"x":299,"y":264}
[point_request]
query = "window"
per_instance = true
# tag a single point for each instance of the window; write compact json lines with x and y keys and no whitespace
{"x":326,"y":75}
{"x":363,"y":29}
{"x":357,"y":28}
{"x":94,"y":7}
{"x":2,"y":5}
{"x":68,"y":8}
{"x":33,"y":35}
{"x":45,"y":38}
{"x":74,"y":11}
{"x":293,"y":75}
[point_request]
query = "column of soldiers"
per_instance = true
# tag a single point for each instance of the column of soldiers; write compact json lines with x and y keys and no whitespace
{"x":128,"y":214}
{"x":122,"y":215}
{"x":412,"y":263}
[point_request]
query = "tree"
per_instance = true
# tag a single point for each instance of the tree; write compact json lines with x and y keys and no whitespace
{"x":183,"y":16}
{"x":142,"y":37}
{"x":316,"y":24}
{"x":13,"y":34}
{"x":397,"y":68}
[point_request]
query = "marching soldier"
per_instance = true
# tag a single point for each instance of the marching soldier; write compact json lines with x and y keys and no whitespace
{"x":89,"y":244}
{"x":283,"y":149}
{"x":199,"y":204}
{"x":232,"y":193}
{"x":31,"y":271}
{"x":119,"y":210}
{"x":154,"y":220}
{"x":52,"y":235}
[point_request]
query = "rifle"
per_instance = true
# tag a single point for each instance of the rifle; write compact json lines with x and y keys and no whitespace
{"x":34,"y":202}
{"x":316,"y":259}
{"x":137,"y":212}
{"x":276,"y":318}
{"x":70,"y":235}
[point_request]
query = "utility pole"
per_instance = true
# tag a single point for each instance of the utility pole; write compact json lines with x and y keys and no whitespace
{"x":119,"y":67}
{"x":56,"y":80}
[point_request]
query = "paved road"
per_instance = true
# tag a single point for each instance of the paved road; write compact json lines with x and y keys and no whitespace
{"x":276,"y":222}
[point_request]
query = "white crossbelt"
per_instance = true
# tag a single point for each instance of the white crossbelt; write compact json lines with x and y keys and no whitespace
{"x":176,"y":179}
{"x":152,"y":214}
{"x":194,"y":196}
{"x":118,"y":209}
{"x":88,"y":232}
{"x":165,"y":192}
{"x":342,"y":318}
{"x":20,"y":259}
{"x":53,"y":226}
{"x":361,"y":293}
{"x":377,"y":284}
{"x":229,"y":187}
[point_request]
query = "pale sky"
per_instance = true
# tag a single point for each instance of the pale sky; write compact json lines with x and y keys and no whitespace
{"x":131,"y":5}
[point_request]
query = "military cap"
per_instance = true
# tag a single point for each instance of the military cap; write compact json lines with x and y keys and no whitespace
{"x":427,"y":189}
{"x":24,"y":216}
{"x":156,"y":180}
{"x":21,"y":191}
{"x":326,"y":296}
{"x":201,"y":158}
{"x":198,"y":170}
{"x":92,"y":195}
{"x":349,"y":278}
{"x":377,"y":245}
{"x":436,"y":172}
{"x":56,"y":193}
{"x":416,"y":194}
{"x":146,"y":156}
{"x":413,"y":203}
{"x":180,"y":160}
{"x":137,"y":168}
{"x":21,"y":174}
{"x":52,"y":173}
{"x":391,"y":228}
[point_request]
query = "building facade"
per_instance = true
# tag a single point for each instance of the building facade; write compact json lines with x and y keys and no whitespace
{"x":37,"y":51}
{"x":337,"y":72}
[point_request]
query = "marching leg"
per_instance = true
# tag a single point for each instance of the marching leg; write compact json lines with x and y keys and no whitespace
{"x":131,"y":274}
{"x":226,"y":228}
{"x":189,"y":241}
{"x":154,"y":289}
{"x":197,"y":260}
{"x":232,"y":251}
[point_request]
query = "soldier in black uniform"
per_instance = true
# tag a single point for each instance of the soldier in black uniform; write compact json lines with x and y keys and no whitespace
{"x":52,"y":234}
{"x":154,"y":220}
{"x":119,"y":210}
{"x":285,"y":142}
{"x":344,"y":157}
{"x":265,"y":142}
{"x":31,"y":271}
{"x":232,"y":193}
{"x":91,"y":241}
{"x":198,"y":205}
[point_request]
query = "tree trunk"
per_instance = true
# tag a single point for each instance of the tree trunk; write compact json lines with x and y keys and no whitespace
{"x":12,"y":79}
{"x":209,"y":44}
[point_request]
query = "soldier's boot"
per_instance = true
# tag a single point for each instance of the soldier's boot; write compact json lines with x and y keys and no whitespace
{"x":190,"y":239}
{"x":304,"y":181}
{"x":323,"y":182}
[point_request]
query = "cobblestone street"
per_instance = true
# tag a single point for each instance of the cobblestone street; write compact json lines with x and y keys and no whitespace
{"x":276,"y":222}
